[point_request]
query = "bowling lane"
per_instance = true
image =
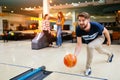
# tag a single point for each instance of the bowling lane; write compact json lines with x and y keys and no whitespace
{"x":20,"y":53}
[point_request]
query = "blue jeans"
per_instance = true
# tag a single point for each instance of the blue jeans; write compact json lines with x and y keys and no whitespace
{"x":59,"y":37}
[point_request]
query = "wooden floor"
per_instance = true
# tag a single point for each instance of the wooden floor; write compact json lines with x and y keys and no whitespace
{"x":17,"y":56}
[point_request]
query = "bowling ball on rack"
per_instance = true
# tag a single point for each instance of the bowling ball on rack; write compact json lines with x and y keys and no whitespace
{"x":12,"y":34}
{"x":70,"y":60}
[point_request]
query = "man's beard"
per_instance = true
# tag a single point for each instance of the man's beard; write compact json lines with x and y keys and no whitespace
{"x":83,"y":27}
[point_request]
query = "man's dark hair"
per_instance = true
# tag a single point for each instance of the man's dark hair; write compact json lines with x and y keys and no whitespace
{"x":83,"y":14}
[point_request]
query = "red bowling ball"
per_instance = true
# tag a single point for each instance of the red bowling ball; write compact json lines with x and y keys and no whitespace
{"x":70,"y":60}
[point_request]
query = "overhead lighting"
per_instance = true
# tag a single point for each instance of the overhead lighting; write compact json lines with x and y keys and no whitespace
{"x":50,"y":1}
{"x":21,"y":8}
{"x":5,"y":7}
{"x":66,"y":4}
{"x":85,"y":1}
{"x":75,"y":4}
{"x":118,"y":11}
{"x":12,"y":11}
{"x":29,"y":9}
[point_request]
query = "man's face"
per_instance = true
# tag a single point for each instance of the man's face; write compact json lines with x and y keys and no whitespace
{"x":83,"y":23}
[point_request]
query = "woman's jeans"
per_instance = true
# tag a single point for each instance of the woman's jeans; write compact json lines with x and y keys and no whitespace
{"x":59,"y":37}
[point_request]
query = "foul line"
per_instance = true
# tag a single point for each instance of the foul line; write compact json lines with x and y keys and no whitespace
{"x":16,"y":65}
{"x":56,"y":71}
{"x":80,"y":75}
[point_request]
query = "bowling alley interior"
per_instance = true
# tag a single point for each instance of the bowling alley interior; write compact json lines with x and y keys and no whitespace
{"x":25,"y":52}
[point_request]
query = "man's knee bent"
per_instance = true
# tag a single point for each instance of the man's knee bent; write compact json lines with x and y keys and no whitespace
{"x":90,"y":46}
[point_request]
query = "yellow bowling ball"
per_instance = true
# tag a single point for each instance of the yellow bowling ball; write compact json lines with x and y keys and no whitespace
{"x":12,"y":33}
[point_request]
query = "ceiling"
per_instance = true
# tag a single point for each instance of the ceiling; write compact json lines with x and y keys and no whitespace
{"x":18,"y":6}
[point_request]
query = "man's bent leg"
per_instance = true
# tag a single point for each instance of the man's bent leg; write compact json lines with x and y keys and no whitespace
{"x":102,"y":50}
{"x":90,"y":50}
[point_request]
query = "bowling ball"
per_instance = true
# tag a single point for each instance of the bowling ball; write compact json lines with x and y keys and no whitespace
{"x":12,"y":33}
{"x":70,"y":60}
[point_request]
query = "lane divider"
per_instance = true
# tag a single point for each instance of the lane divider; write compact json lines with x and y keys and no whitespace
{"x":31,"y":73}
